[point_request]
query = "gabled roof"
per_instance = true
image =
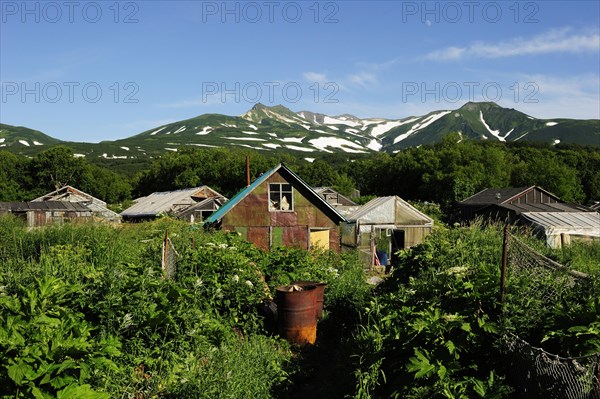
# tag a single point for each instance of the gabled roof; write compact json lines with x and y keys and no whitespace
{"x":383,"y":210}
{"x":44,"y":206}
{"x":587,"y":223}
{"x":293,"y":179}
{"x":161,"y":202}
{"x":501,"y":195}
{"x":207,"y":203}
{"x":65,"y":191}
{"x":323,"y":191}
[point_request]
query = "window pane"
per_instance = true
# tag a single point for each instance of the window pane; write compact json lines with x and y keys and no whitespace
{"x":286,"y":187}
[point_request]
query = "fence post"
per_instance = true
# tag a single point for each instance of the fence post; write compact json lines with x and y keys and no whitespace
{"x":504,"y":261}
{"x":165,"y":252}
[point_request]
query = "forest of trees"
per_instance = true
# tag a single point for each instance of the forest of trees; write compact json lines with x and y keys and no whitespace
{"x":445,"y":173}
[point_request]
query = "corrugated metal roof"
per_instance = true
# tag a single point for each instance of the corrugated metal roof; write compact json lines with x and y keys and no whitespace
{"x":576,"y":221}
{"x":383,"y":210}
{"x":57,"y":195}
{"x":160,"y":202}
{"x":295,"y":179}
{"x":342,"y":200}
{"x":45,"y":205}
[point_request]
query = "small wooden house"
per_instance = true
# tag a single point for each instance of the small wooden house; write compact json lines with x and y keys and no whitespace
{"x":172,"y":203}
{"x":280,"y":209}
{"x":71,"y":194}
{"x":384,"y":226}
{"x":508,"y":203}
{"x":43,"y":213}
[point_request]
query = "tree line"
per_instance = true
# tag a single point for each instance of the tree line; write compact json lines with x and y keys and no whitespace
{"x":446,"y":172}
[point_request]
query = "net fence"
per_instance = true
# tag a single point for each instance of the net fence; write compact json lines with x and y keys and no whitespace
{"x":539,"y":374}
{"x":538,"y":283}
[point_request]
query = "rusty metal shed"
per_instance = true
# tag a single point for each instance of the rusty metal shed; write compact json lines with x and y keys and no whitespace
{"x":280,"y":209}
{"x":47,"y":212}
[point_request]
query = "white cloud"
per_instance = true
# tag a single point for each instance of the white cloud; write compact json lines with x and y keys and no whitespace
{"x":563,"y":97}
{"x":364,"y":79}
{"x":315,"y":77}
{"x":554,"y":41}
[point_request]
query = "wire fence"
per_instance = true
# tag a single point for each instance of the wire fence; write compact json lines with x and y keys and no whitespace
{"x":537,"y":282}
{"x":539,"y":374}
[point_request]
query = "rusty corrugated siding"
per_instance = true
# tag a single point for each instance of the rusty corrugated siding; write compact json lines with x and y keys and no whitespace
{"x":253,"y":213}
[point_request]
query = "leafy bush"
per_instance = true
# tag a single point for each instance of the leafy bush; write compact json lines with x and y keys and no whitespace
{"x":433,"y":330}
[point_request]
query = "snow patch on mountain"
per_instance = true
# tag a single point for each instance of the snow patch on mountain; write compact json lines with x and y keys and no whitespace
{"x":245,"y":138}
{"x":292,"y":139}
{"x":295,"y":147}
{"x":252,"y":127}
{"x":125,"y":148}
{"x":157,"y":130}
{"x":374,"y":145}
{"x":2,"y":140}
{"x":24,"y":142}
{"x":551,"y":124}
{"x":418,"y":126}
{"x":328,"y":120}
{"x":521,"y":136}
{"x":323,"y":142}
{"x":37,"y":143}
{"x":495,"y":133}
{"x":387,"y":126}
{"x":79,"y":155}
{"x":205,"y":130}
{"x":272,"y":145}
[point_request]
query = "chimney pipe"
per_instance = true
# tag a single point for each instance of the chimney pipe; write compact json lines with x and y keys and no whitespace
{"x":247,"y":171}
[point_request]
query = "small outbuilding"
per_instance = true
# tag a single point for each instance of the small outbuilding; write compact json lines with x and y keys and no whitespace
{"x":508,"y":204}
{"x":43,"y":213}
{"x":280,"y":209}
{"x":71,"y":194}
{"x":172,"y":203}
{"x":560,"y":228}
{"x":384,"y":226}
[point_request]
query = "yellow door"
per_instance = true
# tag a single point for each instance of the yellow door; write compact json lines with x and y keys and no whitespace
{"x":319,"y":239}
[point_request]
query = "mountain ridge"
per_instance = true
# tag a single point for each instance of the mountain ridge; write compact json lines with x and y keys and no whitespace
{"x":277,"y":128}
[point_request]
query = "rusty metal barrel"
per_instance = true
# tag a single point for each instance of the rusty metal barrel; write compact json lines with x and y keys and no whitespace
{"x":320,"y":294}
{"x":296,"y":313}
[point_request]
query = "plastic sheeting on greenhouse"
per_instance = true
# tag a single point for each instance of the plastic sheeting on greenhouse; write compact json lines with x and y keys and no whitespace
{"x":392,"y":211}
{"x":560,"y":227}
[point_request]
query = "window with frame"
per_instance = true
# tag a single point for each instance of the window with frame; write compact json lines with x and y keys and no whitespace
{"x":281,"y":197}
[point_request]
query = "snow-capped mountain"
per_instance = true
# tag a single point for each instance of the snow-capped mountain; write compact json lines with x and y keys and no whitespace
{"x":306,"y":133}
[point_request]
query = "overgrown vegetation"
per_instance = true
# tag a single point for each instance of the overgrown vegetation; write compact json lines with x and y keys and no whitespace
{"x":85,"y":312}
{"x":433,"y":329}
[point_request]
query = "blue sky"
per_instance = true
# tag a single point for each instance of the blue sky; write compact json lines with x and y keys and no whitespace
{"x":103,"y":70}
